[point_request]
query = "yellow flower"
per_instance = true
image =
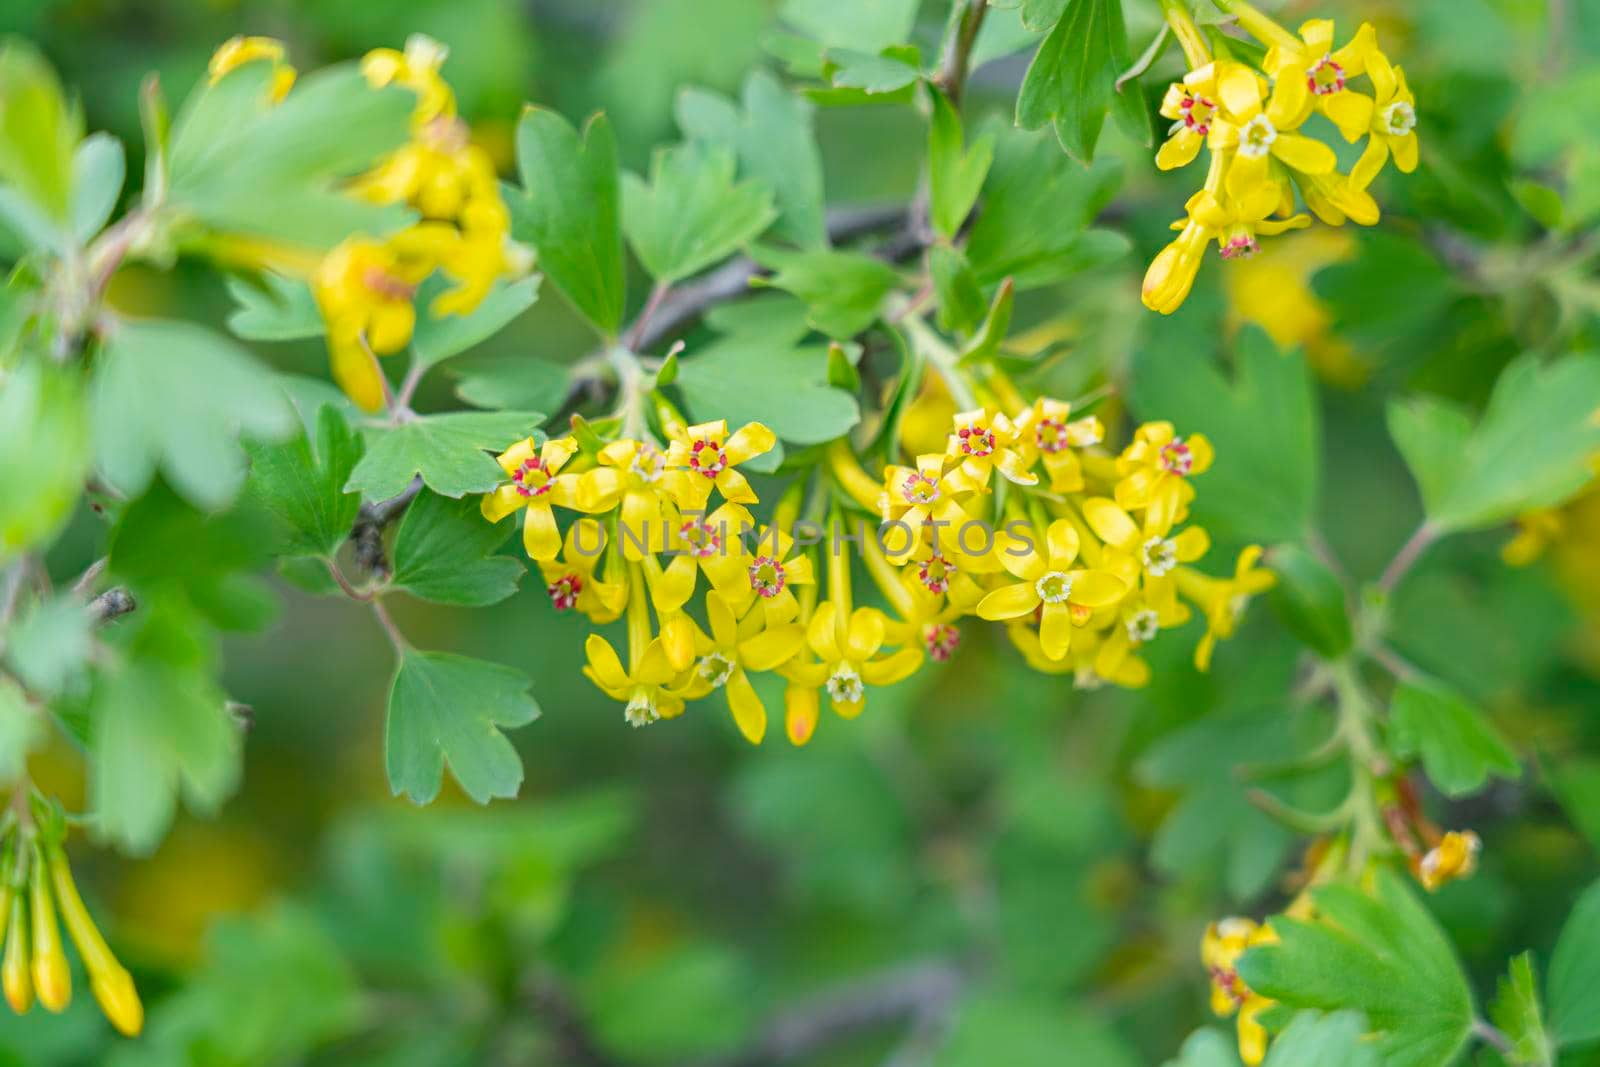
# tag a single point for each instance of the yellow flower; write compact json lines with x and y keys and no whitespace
{"x":1224,"y":942}
{"x":1333,"y":198}
{"x":1137,"y":624}
{"x":1536,"y":530}
{"x":1155,"y":471}
{"x":985,"y":441}
{"x":1065,"y":596}
{"x":417,"y":68}
{"x":1172,"y":272}
{"x":734,"y":647}
{"x":235,"y":52}
{"x":922,"y":496}
{"x":769,"y":570}
{"x":1393,"y":126}
{"x":1224,"y":600}
{"x":1259,"y":130}
{"x":1326,"y":72}
{"x":537,"y":485}
{"x":650,"y":688}
{"x":1151,"y":553}
{"x":15,"y":977}
{"x":634,"y":474}
{"x":1236,"y":223}
{"x":52,"y":977}
{"x":706,"y":455}
{"x":1455,"y":856}
{"x":1192,"y":105}
{"x":850,"y":660}
{"x":571,"y":580}
{"x":1047,"y":432}
{"x":364,"y":290}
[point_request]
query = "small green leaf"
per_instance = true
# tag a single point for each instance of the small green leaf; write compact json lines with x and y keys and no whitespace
{"x":20,"y":724}
{"x":692,"y":214}
{"x":1573,"y":993}
{"x":874,"y":73}
{"x":842,"y":372}
{"x":45,"y":442}
{"x":773,"y":136}
{"x":99,"y":167}
{"x":866,"y":24}
{"x":1530,"y":449}
{"x":569,"y":209}
{"x":270,"y":307}
{"x":1458,"y":746}
{"x":303,"y":487}
{"x":1380,"y":954}
{"x":443,"y":552}
{"x":38,"y":131}
{"x":843,"y":291}
{"x":746,"y":377}
{"x":518,"y":382}
{"x":1018,"y":1031}
{"x":1541,"y":202}
{"x":445,"y":708}
{"x":1264,"y":426}
{"x":1316,"y":1040}
{"x":1072,"y":80}
{"x":438,"y":339}
{"x":49,"y":647}
{"x":450,"y":452}
{"x":1311,"y":601}
{"x":955,"y":173}
{"x":174,"y":397}
{"x":1517,"y":1013}
{"x":985,"y":344}
{"x":961,"y":304}
{"x":1207,"y":1048}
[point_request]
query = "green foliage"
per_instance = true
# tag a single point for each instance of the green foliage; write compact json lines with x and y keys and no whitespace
{"x":569,"y":209}
{"x":38,"y":135}
{"x":1516,"y":1012}
{"x":1382,"y":955}
{"x":449,"y":453}
{"x":174,"y":397}
{"x":955,"y":172}
{"x":19,"y":731}
{"x":1574,"y":983}
{"x":1531,"y":448}
{"x":692,"y":214}
{"x":1016,"y":1031}
{"x":438,"y":339}
{"x":1458,"y":746}
{"x":1334,"y":1040}
{"x":443,"y":553}
{"x":1264,"y":426}
{"x":48,"y":648}
{"x":1072,"y":81}
{"x":865,"y":24}
{"x":273,"y":308}
{"x":44,"y":435}
{"x":99,"y":167}
{"x":1311,"y":601}
{"x":445,"y":708}
{"x":1206,"y":1048}
{"x":843,"y":291}
{"x":961,"y":303}
{"x":303,"y":487}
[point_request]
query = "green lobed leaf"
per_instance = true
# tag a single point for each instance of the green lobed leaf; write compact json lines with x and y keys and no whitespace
{"x":445,"y":708}
{"x":1380,"y":954}
{"x":1206,"y":1048}
{"x":438,"y":339}
{"x":304,"y":486}
{"x":99,"y":167}
{"x":569,"y":209}
{"x":38,"y":131}
{"x":1517,"y":1014}
{"x":1072,"y":80}
{"x":174,"y":397}
{"x":692,"y":214}
{"x":771,"y":129}
{"x":444,"y":552}
{"x":1573,"y":991}
{"x":1458,"y":746}
{"x":1531,"y":448}
{"x":1315,"y":1040}
{"x":45,"y":442}
{"x":955,"y":173}
{"x":20,"y":731}
{"x":450,"y":452}
{"x":1311,"y":601}
{"x":1264,"y":426}
{"x":874,"y":73}
{"x":869,"y":25}
{"x":524,"y":382}
{"x":49,"y":646}
{"x":271,"y":307}
{"x":961,"y":304}
{"x":843,"y":291}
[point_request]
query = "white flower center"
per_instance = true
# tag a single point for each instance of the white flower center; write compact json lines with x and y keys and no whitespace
{"x":1400,"y":117}
{"x":716,"y":669}
{"x":1054,"y":588}
{"x":1160,"y":556}
{"x":649,"y":463}
{"x":1255,"y":140}
{"x":1143,"y":626}
{"x":641,"y":710}
{"x":844,"y":685}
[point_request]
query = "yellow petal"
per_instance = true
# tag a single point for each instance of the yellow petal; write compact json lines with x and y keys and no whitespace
{"x":772,"y":647}
{"x":892,"y":668}
{"x":865,"y":634}
{"x":540,"y":536}
{"x":750,"y":440}
{"x":749,"y":714}
{"x":500,"y":503}
{"x":800,"y":709}
{"x":822,"y":633}
{"x":1063,"y":544}
{"x":1009,"y":602}
{"x":1304,"y":154}
{"x":1179,"y":150}
{"x":1109,"y":522}
{"x":1055,"y":631}
{"x":604,"y":662}
{"x":1097,"y":588}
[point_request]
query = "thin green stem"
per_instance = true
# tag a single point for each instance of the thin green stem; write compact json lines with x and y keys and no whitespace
{"x":1423,"y":537}
{"x":942,"y":358}
{"x":1188,"y":34}
{"x":1356,"y":714}
{"x":1257,"y":24}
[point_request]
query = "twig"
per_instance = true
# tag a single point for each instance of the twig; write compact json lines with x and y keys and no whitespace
{"x":396,"y":638}
{"x":1491,"y":1035}
{"x":90,"y":575}
{"x":1409,"y":553}
{"x":657,"y":295}
{"x":923,"y":992}
{"x":952,"y":75}
{"x":367,"y":533}
{"x":112,"y":604}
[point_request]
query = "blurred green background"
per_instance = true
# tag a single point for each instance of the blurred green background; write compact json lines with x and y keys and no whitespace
{"x":1042,"y":860}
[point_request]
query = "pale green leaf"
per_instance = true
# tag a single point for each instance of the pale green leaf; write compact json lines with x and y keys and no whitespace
{"x":843,"y":291}
{"x":271,"y":307}
{"x":1573,"y":992}
{"x":1459,"y":748}
{"x":302,"y":485}
{"x":443,"y":552}
{"x":955,"y":173}
{"x":1207,"y":1048}
{"x":873,"y":73}
{"x":445,"y":708}
{"x":38,"y":131}
{"x":869,"y":25}
{"x":1517,"y":1013}
{"x":1316,"y":1040}
{"x":20,"y":731}
{"x":692,"y":214}
{"x":450,"y":452}
{"x":98,"y":169}
{"x":49,"y":646}
{"x":438,"y":339}
{"x":45,"y":442}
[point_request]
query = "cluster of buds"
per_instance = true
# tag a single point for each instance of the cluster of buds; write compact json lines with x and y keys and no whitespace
{"x":37,"y":898}
{"x":1085,"y":555}
{"x":366,"y":287}
{"x":1253,"y":122}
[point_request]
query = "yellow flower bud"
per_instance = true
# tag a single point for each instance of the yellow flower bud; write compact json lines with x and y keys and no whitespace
{"x":52,"y":978}
{"x":14,"y":977}
{"x":109,"y":981}
{"x":1455,"y":856}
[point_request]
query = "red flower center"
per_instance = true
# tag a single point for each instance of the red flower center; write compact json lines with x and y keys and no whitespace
{"x":532,"y":478}
{"x":766,"y":576}
{"x":918,"y":488}
{"x":1326,"y":77}
{"x":564,"y":591}
{"x":701,"y":538}
{"x":707,"y":457}
{"x":976,"y":440}
{"x":941,"y":640}
{"x":1198,"y":111}
{"x":1176,"y":458}
{"x":1051,"y":435}
{"x":935,"y":573}
{"x":1242,"y":246}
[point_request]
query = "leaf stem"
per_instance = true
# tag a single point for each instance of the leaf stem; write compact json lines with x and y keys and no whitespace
{"x":1182,"y":24}
{"x":1491,"y":1035}
{"x":1421,"y":539}
{"x":953,"y":67}
{"x":636,"y":335}
{"x":396,"y":638}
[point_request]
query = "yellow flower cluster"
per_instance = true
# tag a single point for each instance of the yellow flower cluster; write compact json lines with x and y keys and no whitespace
{"x":37,"y":897}
{"x":1024,"y":519}
{"x":1224,"y":942}
{"x":1252,"y":122}
{"x":365,"y":287}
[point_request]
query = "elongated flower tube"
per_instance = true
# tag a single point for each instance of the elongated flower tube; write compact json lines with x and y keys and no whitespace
{"x":110,"y":982}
